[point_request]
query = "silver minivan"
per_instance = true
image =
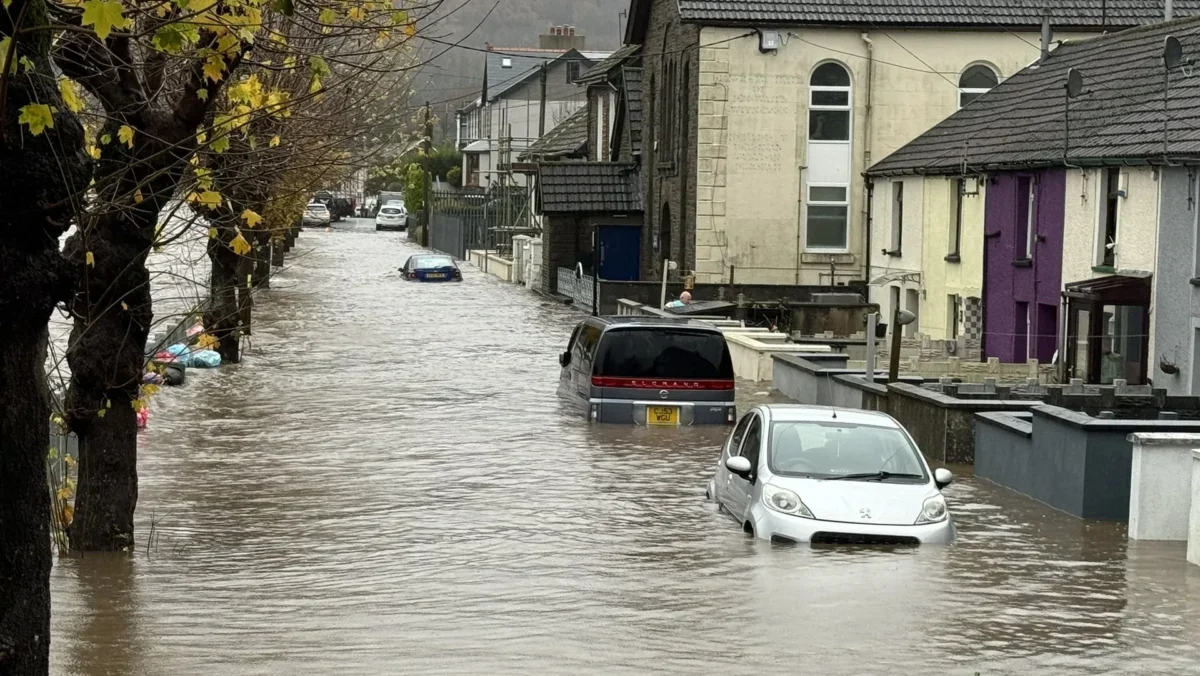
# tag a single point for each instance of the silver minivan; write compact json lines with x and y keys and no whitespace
{"x":648,"y":371}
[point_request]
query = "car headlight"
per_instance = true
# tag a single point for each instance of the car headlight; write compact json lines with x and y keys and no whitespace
{"x":933,"y":510}
{"x":783,"y":500}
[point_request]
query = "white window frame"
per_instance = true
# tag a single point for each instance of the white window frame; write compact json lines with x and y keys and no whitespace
{"x":1102,"y":217}
{"x":975,"y":90}
{"x":897,"y":247}
{"x":847,"y":142}
{"x":845,"y":203}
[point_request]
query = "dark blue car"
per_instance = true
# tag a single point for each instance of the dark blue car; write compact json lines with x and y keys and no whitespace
{"x":431,"y":268}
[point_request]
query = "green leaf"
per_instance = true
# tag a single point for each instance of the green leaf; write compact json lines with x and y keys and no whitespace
{"x":202,"y":94}
{"x":104,"y":16}
{"x":173,"y":37}
{"x":328,"y":16}
{"x":319,"y":67}
{"x":4,"y":47}
{"x":220,"y":145}
{"x":37,"y":116}
{"x":26,"y":64}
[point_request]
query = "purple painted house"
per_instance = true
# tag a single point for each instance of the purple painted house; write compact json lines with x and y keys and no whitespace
{"x":1022,"y":275}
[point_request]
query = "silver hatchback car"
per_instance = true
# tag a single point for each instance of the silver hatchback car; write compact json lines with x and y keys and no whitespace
{"x":791,"y":473}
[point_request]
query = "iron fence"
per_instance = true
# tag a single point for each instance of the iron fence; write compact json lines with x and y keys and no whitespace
{"x":479,"y":220}
{"x":579,"y":288}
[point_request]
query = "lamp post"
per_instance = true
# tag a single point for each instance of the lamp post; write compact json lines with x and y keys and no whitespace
{"x":899,"y":318}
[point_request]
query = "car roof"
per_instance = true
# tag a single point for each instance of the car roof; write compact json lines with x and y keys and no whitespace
{"x":806,"y":413}
{"x":647,"y":321}
{"x":418,"y":257}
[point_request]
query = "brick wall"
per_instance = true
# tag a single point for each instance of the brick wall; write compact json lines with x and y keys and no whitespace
{"x":669,"y":181}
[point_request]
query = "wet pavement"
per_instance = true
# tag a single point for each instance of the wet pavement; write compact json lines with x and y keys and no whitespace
{"x":389,"y":485}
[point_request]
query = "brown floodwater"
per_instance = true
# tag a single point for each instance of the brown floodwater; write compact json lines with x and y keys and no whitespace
{"x":389,"y":485}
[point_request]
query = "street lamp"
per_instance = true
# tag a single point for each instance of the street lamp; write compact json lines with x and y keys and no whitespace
{"x":899,"y":318}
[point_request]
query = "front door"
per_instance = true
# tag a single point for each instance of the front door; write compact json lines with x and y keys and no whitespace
{"x":620,"y":252}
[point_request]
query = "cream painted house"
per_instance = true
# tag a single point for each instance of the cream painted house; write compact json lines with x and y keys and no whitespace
{"x":929,"y":258}
{"x":784,"y":139}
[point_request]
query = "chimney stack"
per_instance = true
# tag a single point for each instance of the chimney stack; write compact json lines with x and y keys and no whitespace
{"x":1047,"y":35}
{"x":1169,"y":10}
{"x":561,"y":38}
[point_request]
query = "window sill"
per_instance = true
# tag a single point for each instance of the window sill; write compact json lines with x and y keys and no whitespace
{"x":1194,"y":281}
{"x":1105,"y":268}
{"x":1023,"y":263}
{"x":895,"y":253}
{"x":952,"y":258}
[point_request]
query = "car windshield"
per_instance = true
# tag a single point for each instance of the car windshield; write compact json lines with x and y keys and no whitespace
{"x":390,"y":211}
{"x":426,"y":262}
{"x":663,"y":353}
{"x":830,"y":449}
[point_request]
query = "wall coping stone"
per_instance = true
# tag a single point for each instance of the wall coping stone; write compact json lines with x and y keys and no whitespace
{"x":1017,"y":423}
{"x":1087,"y":422}
{"x":1164,"y":438}
{"x":946,"y":401}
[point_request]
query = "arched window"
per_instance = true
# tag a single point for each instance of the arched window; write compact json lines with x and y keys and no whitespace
{"x":975,"y":82}
{"x":829,"y":104}
{"x":830,"y":115}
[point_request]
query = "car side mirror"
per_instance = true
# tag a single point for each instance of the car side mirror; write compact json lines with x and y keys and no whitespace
{"x":739,"y":465}
{"x":942,"y":477}
{"x":564,"y":359}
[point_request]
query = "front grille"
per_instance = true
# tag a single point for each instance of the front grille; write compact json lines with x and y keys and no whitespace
{"x":862,"y":539}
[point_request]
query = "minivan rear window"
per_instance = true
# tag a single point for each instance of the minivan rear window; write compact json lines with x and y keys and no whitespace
{"x":663,"y":353}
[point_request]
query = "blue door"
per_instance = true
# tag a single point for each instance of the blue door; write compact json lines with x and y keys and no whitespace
{"x":620,"y":252}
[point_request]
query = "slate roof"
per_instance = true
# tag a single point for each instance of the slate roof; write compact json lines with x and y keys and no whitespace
{"x":1063,"y":13}
{"x":592,"y":187}
{"x":1118,"y":117}
{"x":600,"y":71}
{"x":633,"y":106}
{"x":567,"y":138}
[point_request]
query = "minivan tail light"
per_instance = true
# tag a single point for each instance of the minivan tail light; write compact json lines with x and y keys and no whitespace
{"x":663,"y":383}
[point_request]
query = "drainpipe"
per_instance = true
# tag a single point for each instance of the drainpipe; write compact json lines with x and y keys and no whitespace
{"x":1046,"y":34}
{"x":867,"y":157}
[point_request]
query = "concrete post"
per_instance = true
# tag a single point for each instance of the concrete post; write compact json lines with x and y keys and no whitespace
{"x":1160,"y":488}
{"x":1193,"y":536}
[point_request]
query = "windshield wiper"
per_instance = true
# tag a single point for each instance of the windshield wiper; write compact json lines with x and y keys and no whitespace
{"x":877,"y":476}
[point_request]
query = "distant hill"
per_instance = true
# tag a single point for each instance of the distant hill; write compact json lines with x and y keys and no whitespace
{"x":451,"y":79}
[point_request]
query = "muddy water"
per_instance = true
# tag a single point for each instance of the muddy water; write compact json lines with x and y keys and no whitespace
{"x":389,"y":485}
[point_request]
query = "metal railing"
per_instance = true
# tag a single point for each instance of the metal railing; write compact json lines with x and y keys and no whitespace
{"x":579,"y":288}
{"x":473,"y":219}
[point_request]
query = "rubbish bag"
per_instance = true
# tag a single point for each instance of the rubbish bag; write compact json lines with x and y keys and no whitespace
{"x":177,"y":349}
{"x":204,"y":359}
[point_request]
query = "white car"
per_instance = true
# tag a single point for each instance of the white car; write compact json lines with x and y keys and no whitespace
{"x":317,"y":214}
{"x":392,"y":216}
{"x":791,"y":473}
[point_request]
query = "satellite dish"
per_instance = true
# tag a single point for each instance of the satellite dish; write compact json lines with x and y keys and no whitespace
{"x":1172,"y":52}
{"x":1074,"y":82}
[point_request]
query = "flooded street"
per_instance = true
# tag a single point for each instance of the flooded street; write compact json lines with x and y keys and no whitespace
{"x":389,"y":485}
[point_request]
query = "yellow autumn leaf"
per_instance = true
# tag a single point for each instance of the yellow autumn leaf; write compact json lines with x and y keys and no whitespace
{"x":125,"y":306}
{"x":90,"y":259}
{"x":275,"y":141}
{"x":207,"y":198}
{"x":137,"y":197}
{"x":94,"y":152}
{"x":212,"y":233}
{"x":37,"y":116}
{"x":251,"y":217}
{"x":104,"y":16}
{"x":239,"y":245}
{"x":358,"y":13}
{"x":214,"y":68}
{"x":125,"y":134}
{"x":70,"y":95}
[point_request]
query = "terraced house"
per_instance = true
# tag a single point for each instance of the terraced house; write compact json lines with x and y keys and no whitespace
{"x":760,"y":118}
{"x":1073,"y":189}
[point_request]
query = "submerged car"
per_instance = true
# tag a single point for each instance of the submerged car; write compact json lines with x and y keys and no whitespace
{"x":792,"y":473}
{"x":316,"y":214}
{"x":431,"y":268}
{"x":392,"y":217}
{"x":648,"y":371}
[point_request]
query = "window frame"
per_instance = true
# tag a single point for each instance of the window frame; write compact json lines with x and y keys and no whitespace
{"x":845,"y":204}
{"x":975,"y":92}
{"x":897,"y":218}
{"x":958,"y":188}
{"x":1108,"y":217}
{"x":758,"y":420}
{"x":574,"y":70}
{"x":1026,"y":205}
{"x":848,"y":107}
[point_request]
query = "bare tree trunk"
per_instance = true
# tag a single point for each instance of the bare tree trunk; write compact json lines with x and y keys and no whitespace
{"x":221,"y":318}
{"x":40,"y":176}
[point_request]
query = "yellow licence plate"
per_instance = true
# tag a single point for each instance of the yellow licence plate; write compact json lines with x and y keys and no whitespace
{"x":435,"y":275}
{"x":662,"y":415}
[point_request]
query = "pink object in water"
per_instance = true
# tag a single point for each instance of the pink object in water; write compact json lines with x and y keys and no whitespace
{"x":196,"y":330}
{"x":143,"y":416}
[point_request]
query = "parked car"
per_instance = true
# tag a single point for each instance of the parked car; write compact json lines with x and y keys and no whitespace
{"x":392,"y":217}
{"x":648,"y":371}
{"x":316,"y":214}
{"x":431,"y":268}
{"x":792,"y":473}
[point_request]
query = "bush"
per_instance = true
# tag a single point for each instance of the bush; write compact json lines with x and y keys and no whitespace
{"x":414,"y":190}
{"x":454,"y":177}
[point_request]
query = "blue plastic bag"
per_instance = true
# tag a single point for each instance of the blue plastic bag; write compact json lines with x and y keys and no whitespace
{"x":204,"y":359}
